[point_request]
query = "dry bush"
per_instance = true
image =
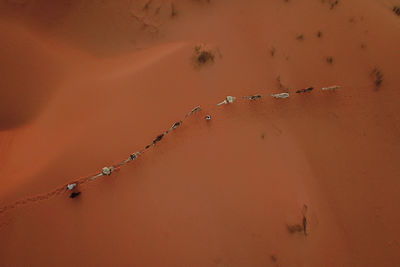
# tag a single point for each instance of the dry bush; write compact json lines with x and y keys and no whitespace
{"x":396,"y":10}
{"x":174,"y":13}
{"x":332,"y":3}
{"x":272,"y":51}
{"x":295,"y":228}
{"x":274,"y":258}
{"x":300,"y":37}
{"x":377,"y":76}
{"x":203,"y":55}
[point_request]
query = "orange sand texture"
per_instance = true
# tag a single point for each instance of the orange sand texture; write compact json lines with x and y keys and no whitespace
{"x":85,"y":83}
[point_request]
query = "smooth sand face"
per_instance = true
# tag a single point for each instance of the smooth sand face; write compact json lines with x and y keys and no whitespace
{"x":29,"y":76}
{"x":86,"y":84}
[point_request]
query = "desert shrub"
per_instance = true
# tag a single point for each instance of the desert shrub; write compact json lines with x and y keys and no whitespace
{"x":295,"y":228}
{"x":300,"y":37}
{"x":203,"y":55}
{"x":332,"y":3}
{"x":396,"y":10}
{"x":174,"y":13}
{"x":274,"y":258}
{"x":272,"y":51}
{"x":377,"y":76}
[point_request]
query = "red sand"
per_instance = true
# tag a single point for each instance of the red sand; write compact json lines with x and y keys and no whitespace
{"x":86,"y":83}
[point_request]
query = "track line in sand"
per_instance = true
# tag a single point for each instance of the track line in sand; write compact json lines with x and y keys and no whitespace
{"x":107,"y":171}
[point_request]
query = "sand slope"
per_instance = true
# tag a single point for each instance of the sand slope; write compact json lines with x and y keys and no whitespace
{"x":103,"y":79}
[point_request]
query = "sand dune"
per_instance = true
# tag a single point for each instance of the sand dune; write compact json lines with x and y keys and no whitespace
{"x":30,"y":76}
{"x":86,"y":83}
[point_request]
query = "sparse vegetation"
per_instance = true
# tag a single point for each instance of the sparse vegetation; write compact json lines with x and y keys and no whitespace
{"x":295,"y":228}
{"x":300,"y":37}
{"x":203,"y":55}
{"x":274,"y":258}
{"x":272,"y":51}
{"x":174,"y":13}
{"x":147,"y":5}
{"x":304,"y":212}
{"x":377,"y":76}
{"x":329,"y":60}
{"x":332,"y":3}
{"x":396,"y":10}
{"x":298,"y":228}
